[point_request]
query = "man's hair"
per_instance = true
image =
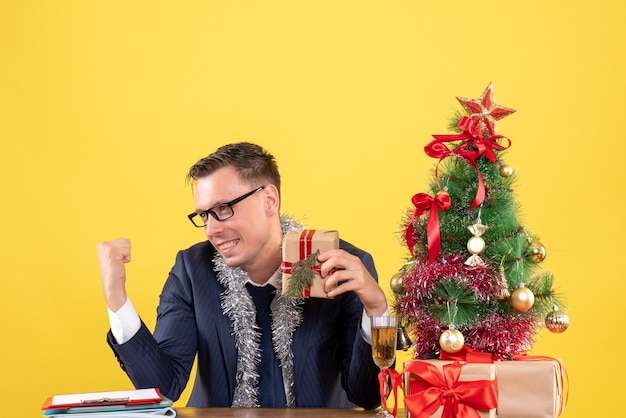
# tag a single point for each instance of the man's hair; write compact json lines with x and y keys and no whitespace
{"x":253,"y":163}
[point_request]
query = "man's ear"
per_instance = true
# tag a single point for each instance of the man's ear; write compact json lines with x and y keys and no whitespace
{"x":272,"y":198}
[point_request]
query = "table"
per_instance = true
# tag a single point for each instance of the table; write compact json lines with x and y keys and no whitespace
{"x":274,"y":412}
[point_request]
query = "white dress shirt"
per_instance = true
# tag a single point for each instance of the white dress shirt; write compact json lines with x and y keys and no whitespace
{"x":125,"y":322}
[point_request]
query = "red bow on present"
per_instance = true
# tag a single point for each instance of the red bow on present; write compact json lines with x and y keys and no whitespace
{"x":469,"y":355}
{"x":423,"y":203}
{"x":459,"y":399}
{"x":473,"y":146}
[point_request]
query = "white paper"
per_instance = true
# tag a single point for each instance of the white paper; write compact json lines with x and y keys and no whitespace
{"x":127,"y":395}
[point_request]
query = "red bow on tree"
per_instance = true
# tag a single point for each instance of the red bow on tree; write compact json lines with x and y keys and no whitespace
{"x":423,"y":203}
{"x":474,"y":145}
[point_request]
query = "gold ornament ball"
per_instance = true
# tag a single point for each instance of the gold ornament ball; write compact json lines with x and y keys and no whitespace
{"x":397,"y":282}
{"x":522,"y":298}
{"x":506,"y":170}
{"x":476,"y":245}
{"x":452,"y":340}
{"x":443,"y":192}
{"x":536,"y":252}
{"x":557,"y":321}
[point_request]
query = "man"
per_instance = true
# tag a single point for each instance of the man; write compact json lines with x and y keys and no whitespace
{"x":222,"y":303}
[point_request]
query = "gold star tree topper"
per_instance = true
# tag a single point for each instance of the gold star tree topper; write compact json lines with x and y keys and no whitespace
{"x":484,"y":110}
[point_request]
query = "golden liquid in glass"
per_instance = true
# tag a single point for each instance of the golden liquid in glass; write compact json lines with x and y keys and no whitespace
{"x":384,"y":346}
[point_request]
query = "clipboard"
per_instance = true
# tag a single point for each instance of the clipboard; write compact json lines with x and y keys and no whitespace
{"x":162,"y":409}
{"x":103,"y":399}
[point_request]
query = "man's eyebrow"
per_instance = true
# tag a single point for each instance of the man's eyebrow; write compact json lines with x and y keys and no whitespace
{"x":198,"y":210}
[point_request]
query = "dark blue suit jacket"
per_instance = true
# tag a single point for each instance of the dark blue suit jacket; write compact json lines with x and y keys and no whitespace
{"x":333,"y":365}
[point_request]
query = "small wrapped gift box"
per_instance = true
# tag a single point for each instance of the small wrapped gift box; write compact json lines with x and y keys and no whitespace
{"x":530,"y":387}
{"x":436,"y":388}
{"x":300,"y":268}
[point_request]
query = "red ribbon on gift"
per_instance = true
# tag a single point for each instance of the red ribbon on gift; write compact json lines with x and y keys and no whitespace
{"x":386,"y":386}
{"x":474,"y":145}
{"x":306,"y":243}
{"x":469,"y":355}
{"x":306,"y":249}
{"x":286,"y":267}
{"x":424,"y":203}
{"x":433,"y":389}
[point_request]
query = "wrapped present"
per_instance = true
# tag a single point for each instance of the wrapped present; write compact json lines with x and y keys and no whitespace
{"x":300,"y":267}
{"x":530,"y":387}
{"x":443,"y":388}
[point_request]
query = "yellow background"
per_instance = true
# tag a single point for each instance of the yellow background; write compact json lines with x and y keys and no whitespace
{"x":105,"y":104}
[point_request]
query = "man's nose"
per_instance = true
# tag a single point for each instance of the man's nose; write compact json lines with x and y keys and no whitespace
{"x":212,"y":226}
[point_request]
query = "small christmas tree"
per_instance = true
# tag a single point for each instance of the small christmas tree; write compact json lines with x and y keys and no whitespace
{"x":474,"y":273}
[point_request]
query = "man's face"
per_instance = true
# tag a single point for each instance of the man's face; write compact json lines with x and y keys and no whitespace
{"x":244,"y":239}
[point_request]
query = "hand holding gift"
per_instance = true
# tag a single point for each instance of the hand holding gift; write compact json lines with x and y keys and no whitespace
{"x":349,"y":274}
{"x":312,"y":259}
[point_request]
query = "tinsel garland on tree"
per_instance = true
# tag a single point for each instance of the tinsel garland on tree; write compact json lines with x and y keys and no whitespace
{"x":474,"y":268}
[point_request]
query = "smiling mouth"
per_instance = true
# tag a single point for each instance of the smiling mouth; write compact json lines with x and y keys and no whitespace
{"x":227,"y":245}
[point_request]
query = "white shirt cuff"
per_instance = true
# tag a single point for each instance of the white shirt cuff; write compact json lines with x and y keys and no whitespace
{"x":366,"y":325}
{"x":125,"y":322}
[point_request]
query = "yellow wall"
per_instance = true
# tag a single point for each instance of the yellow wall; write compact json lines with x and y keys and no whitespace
{"x":105,"y":104}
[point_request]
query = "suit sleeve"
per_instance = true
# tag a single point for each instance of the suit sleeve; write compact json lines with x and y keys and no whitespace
{"x":164,"y":359}
{"x":359,"y":372}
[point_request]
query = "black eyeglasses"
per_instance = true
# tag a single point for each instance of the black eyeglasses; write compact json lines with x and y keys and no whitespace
{"x":220,"y":212}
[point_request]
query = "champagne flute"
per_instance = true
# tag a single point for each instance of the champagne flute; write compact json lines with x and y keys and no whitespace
{"x":384,"y":335}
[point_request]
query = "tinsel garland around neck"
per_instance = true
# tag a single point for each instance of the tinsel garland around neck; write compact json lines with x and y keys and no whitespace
{"x":239,"y":306}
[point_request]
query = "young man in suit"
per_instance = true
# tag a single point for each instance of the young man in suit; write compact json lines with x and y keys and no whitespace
{"x":222,"y":303}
